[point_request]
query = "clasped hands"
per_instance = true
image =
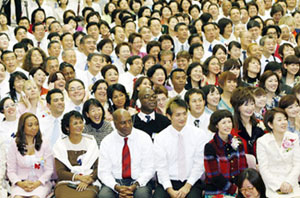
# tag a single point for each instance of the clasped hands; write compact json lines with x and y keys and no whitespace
{"x":85,"y":181}
{"x":181,"y":193}
{"x":125,"y":191}
{"x":286,"y":188}
{"x":28,"y":185}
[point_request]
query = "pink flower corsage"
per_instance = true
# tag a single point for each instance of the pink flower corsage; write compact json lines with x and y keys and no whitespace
{"x":288,"y":144}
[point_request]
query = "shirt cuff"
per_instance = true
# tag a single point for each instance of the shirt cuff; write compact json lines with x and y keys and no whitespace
{"x":167,"y":184}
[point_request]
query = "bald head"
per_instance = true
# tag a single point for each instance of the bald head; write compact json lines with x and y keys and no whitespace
{"x":144,"y":91}
{"x":123,"y":122}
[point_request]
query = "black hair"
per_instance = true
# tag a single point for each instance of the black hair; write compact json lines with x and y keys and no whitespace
{"x":193,"y":91}
{"x":178,"y":102}
{"x":255,"y":179}
{"x":110,"y":91}
{"x":65,"y":122}
{"x":12,"y":90}
{"x":86,"y":108}
{"x":52,"y":91}
{"x":216,"y":117}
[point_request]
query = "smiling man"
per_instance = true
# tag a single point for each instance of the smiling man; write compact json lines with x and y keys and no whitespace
{"x":147,"y":119}
{"x":51,"y":123}
{"x":179,"y":155}
{"x":126,"y":167}
{"x":197,"y":116}
{"x":90,"y":76}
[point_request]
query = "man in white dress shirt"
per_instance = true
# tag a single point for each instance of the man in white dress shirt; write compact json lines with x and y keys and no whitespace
{"x":126,"y":167}
{"x":51,"y":123}
{"x":90,"y":76}
{"x":197,"y":117}
{"x":178,"y":78}
{"x":39,"y":40}
{"x":178,"y":155}
{"x":10,"y":60}
{"x":269,"y":46}
{"x":155,"y":27}
{"x":181,"y":42}
{"x":209,"y":40}
{"x":87,"y":45}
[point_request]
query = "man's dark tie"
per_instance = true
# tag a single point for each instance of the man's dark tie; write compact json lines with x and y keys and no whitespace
{"x":210,"y":48}
{"x":126,"y":161}
{"x":148,"y":118}
{"x":197,"y":123}
{"x":244,"y":54}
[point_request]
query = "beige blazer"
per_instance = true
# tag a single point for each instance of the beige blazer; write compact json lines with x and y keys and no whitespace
{"x":278,"y":164}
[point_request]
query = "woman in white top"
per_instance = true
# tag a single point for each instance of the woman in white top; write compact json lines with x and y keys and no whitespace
{"x":9,"y":123}
{"x":278,"y":155}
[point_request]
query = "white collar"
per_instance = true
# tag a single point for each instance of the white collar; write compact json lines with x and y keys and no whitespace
{"x":143,"y":116}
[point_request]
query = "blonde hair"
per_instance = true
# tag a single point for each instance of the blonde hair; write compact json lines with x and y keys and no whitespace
{"x":26,"y":84}
{"x":287,"y":20}
{"x":250,"y":46}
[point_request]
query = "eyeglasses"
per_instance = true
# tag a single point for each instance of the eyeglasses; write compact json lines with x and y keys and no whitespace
{"x":248,"y":189}
{"x":74,"y":89}
{"x":147,"y":96}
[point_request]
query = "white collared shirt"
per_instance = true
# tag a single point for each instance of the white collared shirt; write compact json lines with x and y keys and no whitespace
{"x":87,"y":78}
{"x":143,"y":116}
{"x":127,"y":79}
{"x":173,"y":93}
{"x":204,"y":120}
{"x":166,"y":154}
{"x":264,"y":61}
{"x":43,"y":44}
{"x":178,"y":46}
{"x":141,"y":154}
{"x":206,"y":45}
{"x":47,"y":126}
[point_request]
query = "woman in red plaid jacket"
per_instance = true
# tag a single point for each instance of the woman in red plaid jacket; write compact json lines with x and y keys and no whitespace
{"x":224,"y":156}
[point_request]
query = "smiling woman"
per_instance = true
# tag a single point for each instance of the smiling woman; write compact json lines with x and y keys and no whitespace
{"x":94,"y":114}
{"x":247,"y":127}
{"x":278,"y":156}
{"x":30,"y":99}
{"x":76,"y":160}
{"x":224,"y":156}
{"x":30,"y":160}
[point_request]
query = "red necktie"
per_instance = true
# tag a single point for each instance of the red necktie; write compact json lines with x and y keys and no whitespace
{"x":126,"y":168}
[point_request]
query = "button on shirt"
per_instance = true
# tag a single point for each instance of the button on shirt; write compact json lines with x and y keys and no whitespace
{"x":166,"y":155}
{"x":141,"y":153}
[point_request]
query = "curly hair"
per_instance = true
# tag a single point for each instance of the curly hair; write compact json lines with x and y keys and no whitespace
{"x":27,"y":64}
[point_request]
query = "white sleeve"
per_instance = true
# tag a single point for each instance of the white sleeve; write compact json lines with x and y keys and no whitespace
{"x":147,"y":165}
{"x":105,"y":165}
{"x":262,"y":158}
{"x":161,"y":162}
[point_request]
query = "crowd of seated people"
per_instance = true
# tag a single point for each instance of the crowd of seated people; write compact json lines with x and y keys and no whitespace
{"x":149,"y":98}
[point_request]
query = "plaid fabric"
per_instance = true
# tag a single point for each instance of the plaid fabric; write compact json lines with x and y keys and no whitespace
{"x":222,"y":166}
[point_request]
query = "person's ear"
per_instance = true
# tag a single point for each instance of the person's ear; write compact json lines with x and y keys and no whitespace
{"x":270,"y":125}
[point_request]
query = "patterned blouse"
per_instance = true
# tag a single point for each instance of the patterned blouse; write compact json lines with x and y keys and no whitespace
{"x":223,"y":162}
{"x":100,"y":133}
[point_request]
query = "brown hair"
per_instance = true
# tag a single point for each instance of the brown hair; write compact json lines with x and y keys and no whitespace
{"x":21,"y":137}
{"x":224,"y":76}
